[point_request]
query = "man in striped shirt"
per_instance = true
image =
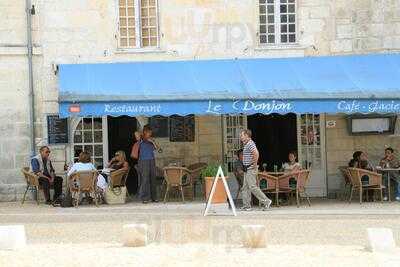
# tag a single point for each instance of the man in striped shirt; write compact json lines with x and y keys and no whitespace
{"x":250,"y":159}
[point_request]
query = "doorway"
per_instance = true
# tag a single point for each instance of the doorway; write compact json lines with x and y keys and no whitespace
{"x":275,"y":135}
{"x":120,"y":137}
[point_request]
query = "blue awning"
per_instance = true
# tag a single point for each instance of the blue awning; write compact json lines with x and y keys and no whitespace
{"x":335,"y":84}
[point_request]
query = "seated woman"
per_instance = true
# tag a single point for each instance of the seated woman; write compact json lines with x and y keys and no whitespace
{"x":292,"y":165}
{"x":85,"y":164}
{"x":360,"y":160}
{"x":353,"y":163}
{"x":119,"y":161}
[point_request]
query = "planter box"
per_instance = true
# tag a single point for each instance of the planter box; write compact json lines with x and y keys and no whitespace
{"x":220,"y":195}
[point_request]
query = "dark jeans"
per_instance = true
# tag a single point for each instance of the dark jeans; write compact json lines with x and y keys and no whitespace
{"x":57,"y":186}
{"x":147,"y":180}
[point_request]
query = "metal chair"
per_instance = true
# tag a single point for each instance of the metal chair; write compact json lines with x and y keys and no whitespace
{"x":177,"y":178}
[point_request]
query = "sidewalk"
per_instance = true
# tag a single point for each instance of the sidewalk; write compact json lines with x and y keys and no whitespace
{"x":329,"y":233}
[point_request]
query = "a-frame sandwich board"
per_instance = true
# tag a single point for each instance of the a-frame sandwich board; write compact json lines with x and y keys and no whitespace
{"x":220,"y":175}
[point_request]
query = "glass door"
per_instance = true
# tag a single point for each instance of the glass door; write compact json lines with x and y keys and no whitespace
{"x":311,"y":150}
{"x":233,"y":125}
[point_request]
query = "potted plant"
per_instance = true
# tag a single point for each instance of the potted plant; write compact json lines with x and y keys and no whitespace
{"x":208,"y":174}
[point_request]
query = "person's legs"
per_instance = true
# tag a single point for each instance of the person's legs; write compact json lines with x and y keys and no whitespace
{"x":252,"y":184}
{"x":45,"y":184}
{"x":144,"y":173}
{"x":395,"y":176}
{"x":57,"y":185}
{"x":246,"y":193}
{"x":153,"y":181}
{"x":385,"y":183}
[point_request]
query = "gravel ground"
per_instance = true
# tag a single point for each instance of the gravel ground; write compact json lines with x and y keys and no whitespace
{"x":326,"y":234}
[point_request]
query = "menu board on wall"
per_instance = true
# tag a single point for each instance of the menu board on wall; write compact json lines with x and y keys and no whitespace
{"x":182,"y":129}
{"x":57,"y":130}
{"x":159,"y":125}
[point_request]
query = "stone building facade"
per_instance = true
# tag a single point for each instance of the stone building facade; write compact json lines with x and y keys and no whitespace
{"x":86,"y":31}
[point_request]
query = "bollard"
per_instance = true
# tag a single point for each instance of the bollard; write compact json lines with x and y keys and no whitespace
{"x":381,"y":239}
{"x":12,"y":237}
{"x":135,"y":235}
{"x":253,"y":236}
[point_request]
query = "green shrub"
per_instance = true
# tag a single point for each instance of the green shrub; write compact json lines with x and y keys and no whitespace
{"x":211,"y":170}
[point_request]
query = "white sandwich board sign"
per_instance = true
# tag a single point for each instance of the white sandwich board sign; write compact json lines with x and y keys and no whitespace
{"x":220,"y":175}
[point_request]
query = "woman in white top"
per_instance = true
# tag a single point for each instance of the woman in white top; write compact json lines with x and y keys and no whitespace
{"x":292,"y":165}
{"x":85,"y":164}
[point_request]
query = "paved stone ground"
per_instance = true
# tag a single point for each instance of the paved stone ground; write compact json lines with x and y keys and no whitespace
{"x":328,"y":230}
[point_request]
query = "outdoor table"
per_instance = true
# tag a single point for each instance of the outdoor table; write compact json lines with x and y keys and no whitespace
{"x":387,"y":170}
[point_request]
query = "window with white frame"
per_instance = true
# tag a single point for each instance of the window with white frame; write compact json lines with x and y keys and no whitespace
{"x":88,"y":136}
{"x":277,"y":21}
{"x":138,"y":23}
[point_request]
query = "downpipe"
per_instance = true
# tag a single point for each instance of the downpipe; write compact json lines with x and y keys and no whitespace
{"x":29,"y":12}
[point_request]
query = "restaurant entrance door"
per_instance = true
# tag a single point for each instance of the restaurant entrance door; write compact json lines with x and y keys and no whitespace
{"x":120,"y":137}
{"x":275,"y":135}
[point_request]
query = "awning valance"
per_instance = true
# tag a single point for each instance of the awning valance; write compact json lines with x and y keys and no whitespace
{"x":336,"y":84}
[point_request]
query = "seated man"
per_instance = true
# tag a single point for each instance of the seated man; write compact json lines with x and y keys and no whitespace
{"x":238,"y":170}
{"x":41,"y":166}
{"x":390,"y":161}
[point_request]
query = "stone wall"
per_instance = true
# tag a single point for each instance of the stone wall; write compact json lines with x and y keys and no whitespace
{"x":207,"y":146}
{"x":84,"y":31}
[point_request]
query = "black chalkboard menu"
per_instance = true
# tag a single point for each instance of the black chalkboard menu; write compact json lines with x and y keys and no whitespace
{"x":182,"y":129}
{"x":159,"y":125}
{"x":57,"y":130}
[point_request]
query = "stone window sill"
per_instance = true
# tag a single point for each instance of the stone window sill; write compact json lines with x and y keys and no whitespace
{"x":139,"y":51}
{"x":279,"y":47}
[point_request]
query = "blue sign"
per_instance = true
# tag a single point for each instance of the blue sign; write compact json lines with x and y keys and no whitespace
{"x":219,"y":107}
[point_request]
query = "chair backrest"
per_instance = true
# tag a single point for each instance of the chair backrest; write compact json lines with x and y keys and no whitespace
{"x":355,"y":177}
{"x":86,"y":180}
{"x":30,"y":178}
{"x":118,"y":177}
{"x":174,"y":175}
{"x":195,"y":169}
{"x":345,"y":173}
{"x":266,"y":181}
{"x":301,"y":177}
{"x":196,"y":166}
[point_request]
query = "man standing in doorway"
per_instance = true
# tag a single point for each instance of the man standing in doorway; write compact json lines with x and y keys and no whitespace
{"x":250,"y":159}
{"x":147,"y":167}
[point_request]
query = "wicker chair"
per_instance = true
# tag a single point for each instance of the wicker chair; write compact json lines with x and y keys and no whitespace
{"x":269,"y":184}
{"x":374,"y":182}
{"x":32,"y":183}
{"x":301,"y":178}
{"x":347,"y":181}
{"x":175,"y":179}
{"x":83,"y":182}
{"x":195,"y":171}
{"x":118,"y":178}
